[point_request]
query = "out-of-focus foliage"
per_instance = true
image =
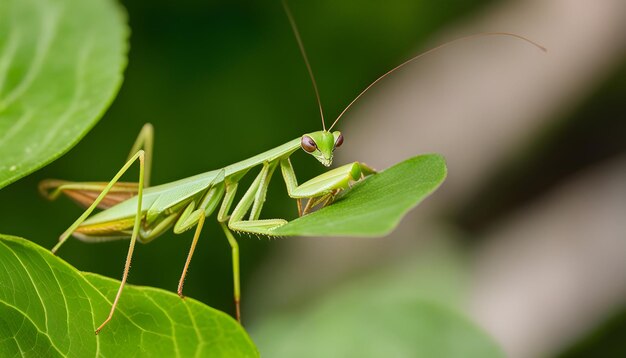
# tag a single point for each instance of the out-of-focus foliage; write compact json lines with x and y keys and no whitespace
{"x":61,"y":65}
{"x":359,"y":325}
{"x":404,"y":310}
{"x":605,"y":341}
{"x":50,"y":309}
{"x":375,"y":206}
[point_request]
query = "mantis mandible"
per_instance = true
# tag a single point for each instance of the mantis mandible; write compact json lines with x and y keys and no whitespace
{"x":142,"y":212}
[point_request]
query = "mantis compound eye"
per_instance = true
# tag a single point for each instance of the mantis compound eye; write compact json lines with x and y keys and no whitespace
{"x":339,"y":141}
{"x":308,"y":144}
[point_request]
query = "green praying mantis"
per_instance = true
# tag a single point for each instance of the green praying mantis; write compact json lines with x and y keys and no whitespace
{"x":142,"y":212}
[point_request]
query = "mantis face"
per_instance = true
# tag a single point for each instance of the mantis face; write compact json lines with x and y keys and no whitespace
{"x":321,"y":145}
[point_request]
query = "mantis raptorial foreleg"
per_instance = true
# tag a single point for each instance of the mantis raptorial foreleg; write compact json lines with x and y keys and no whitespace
{"x":319,"y":190}
{"x":289,"y":175}
{"x":325,"y":185}
{"x":313,"y":202}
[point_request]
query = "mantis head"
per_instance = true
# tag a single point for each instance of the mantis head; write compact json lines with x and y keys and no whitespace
{"x":321,"y":145}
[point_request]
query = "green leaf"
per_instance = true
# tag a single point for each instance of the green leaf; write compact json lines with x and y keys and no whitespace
{"x":61,"y":64}
{"x":407,"y":308}
{"x":48,"y":308}
{"x":375,"y":206}
{"x":369,"y":330}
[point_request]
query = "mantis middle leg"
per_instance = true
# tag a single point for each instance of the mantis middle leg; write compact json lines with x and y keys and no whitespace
{"x":191,"y":217}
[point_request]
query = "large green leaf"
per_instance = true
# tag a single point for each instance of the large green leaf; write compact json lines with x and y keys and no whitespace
{"x":375,"y":206}
{"x":49,"y":309}
{"x":61,"y":64}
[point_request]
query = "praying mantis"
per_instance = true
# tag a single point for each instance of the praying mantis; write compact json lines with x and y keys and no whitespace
{"x":140,"y":212}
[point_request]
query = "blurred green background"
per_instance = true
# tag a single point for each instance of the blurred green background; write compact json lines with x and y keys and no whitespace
{"x":222,"y":81}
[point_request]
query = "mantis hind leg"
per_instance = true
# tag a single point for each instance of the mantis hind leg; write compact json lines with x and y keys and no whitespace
{"x":133,"y":240}
{"x":84,"y":193}
{"x":137,"y":224}
{"x":139,"y":155}
{"x":145,"y":141}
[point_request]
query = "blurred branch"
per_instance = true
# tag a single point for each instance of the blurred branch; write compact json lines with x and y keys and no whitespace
{"x":548,"y":274}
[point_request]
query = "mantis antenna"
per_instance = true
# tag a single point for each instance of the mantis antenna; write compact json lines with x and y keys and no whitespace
{"x":482,"y":34}
{"x":306,"y":60}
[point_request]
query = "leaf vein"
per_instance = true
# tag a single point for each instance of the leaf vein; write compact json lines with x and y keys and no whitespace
{"x":119,"y":309}
{"x":79,"y":85}
{"x":17,"y":126}
{"x":174,"y":340}
{"x":7,"y":56}
{"x":34,"y":286}
{"x":50,"y":24}
{"x":26,"y":317}
{"x":65,"y":306}
{"x":195,"y":328}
